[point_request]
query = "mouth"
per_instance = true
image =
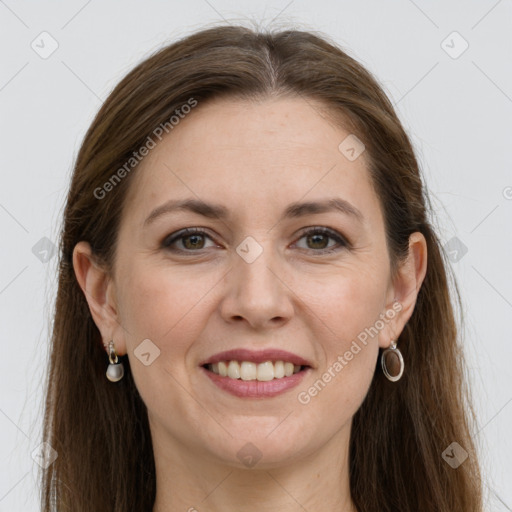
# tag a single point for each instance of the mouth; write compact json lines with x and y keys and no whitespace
{"x":250,"y":371}
{"x":245,"y":385}
{"x":261,"y":365}
{"x":255,"y":374}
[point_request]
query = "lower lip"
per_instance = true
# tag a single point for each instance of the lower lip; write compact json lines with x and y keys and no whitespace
{"x":255,"y":388}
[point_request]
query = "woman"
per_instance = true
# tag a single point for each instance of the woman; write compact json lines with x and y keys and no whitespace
{"x":244,"y":254}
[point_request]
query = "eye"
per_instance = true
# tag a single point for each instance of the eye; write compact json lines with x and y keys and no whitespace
{"x":191,"y":239}
{"x":318,"y":237}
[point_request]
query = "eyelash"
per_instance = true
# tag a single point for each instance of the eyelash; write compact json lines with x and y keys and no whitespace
{"x":184,"y":233}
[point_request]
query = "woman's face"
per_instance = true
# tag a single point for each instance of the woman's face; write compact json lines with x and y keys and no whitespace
{"x":254,"y":280}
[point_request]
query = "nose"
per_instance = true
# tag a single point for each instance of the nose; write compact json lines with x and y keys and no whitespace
{"x":257,"y":293}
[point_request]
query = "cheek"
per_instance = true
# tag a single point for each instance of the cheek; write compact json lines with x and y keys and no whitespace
{"x":341,"y":384}
{"x":345,"y":302}
{"x":166,"y":307}
{"x":159,"y":302}
{"x":346,"y":309}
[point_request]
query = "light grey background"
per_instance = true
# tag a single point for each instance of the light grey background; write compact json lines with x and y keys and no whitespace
{"x":456,"y":108}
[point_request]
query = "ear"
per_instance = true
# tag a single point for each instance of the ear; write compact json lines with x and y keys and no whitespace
{"x":99,"y":291}
{"x":404,"y":290}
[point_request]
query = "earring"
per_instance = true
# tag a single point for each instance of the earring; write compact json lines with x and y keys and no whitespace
{"x":392,"y":359}
{"x":115,"y":370}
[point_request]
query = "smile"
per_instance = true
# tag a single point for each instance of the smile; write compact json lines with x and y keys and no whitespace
{"x":247,"y":370}
{"x":252,"y":380}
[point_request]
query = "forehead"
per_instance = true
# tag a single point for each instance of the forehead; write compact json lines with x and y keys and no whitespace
{"x":252,"y":153}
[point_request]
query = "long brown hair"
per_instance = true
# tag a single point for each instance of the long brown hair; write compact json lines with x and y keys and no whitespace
{"x":101,"y":432}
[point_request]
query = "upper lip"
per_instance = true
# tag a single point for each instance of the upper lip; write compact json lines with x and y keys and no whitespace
{"x":256,"y":356}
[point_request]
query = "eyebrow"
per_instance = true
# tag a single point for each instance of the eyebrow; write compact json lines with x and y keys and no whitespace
{"x":294,"y":210}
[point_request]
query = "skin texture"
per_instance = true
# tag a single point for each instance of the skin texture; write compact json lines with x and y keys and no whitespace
{"x":254,"y":158}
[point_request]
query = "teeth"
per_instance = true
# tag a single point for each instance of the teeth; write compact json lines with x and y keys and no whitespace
{"x":247,"y":370}
{"x":279,"y":370}
{"x":223,"y":369}
{"x":265,"y":371}
{"x":233,"y":370}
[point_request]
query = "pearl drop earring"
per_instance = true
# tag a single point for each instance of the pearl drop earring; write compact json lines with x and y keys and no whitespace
{"x":115,"y":370}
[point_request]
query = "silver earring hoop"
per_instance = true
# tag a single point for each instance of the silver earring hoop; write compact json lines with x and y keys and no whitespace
{"x":115,"y":370}
{"x":392,"y":363}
